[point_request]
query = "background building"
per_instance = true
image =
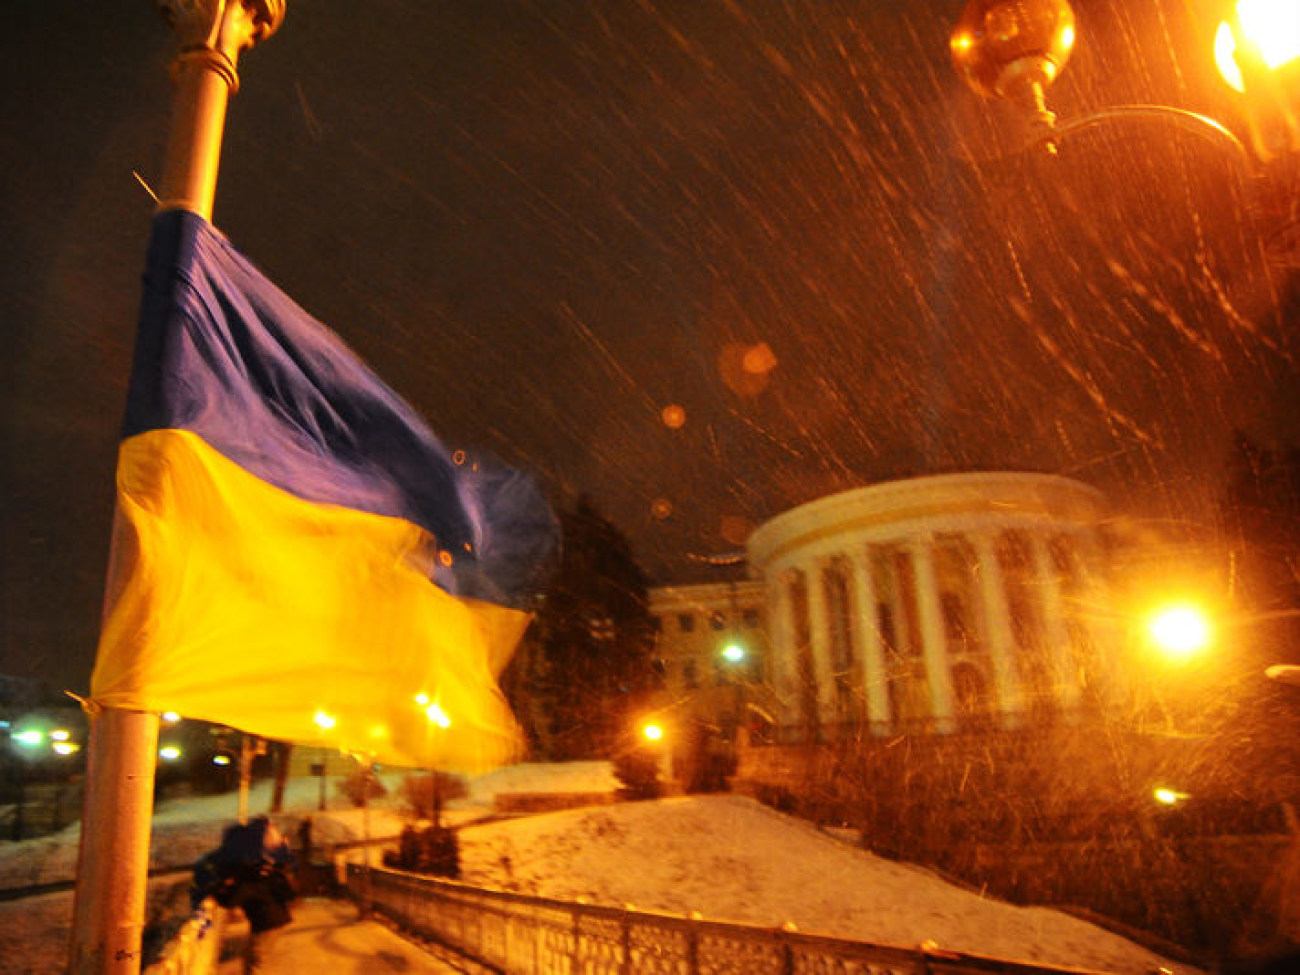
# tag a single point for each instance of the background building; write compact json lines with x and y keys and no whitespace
{"x":935,"y":604}
{"x":711,"y":653}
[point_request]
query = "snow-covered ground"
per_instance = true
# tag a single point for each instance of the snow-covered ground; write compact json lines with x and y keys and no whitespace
{"x":727,"y":858}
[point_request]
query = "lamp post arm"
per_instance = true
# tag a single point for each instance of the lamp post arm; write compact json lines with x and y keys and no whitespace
{"x":1191,"y":122}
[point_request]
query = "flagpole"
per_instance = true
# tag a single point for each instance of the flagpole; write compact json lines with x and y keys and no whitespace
{"x":112,"y":869}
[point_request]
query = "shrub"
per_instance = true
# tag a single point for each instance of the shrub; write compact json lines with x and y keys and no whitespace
{"x":418,"y":791}
{"x":638,"y":770}
{"x":434,"y":850}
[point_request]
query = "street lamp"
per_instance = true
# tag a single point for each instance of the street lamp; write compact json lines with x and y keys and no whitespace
{"x":438,"y":719}
{"x":1014,"y":49}
{"x":1181,"y":631}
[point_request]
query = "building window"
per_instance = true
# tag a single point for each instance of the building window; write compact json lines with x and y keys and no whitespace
{"x":718,"y":622}
{"x":751,"y":619}
{"x":690,"y":675}
{"x":686,"y":622}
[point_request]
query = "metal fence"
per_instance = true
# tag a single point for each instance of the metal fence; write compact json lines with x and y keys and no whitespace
{"x":521,"y":935}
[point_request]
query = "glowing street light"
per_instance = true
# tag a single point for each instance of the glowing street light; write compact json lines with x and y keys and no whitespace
{"x":1181,"y":631}
{"x":652,"y":731}
{"x":1266,"y":30}
{"x":733,"y":652}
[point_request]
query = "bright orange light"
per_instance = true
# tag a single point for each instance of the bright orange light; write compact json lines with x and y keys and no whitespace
{"x":653,"y":732}
{"x":1168,"y":797}
{"x":1180,"y":631}
{"x":325,"y":721}
{"x":1273,"y":26}
{"x":422,"y":700}
{"x":438,"y":716}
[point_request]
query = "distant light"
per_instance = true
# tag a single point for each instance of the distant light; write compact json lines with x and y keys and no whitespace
{"x":734,"y":652}
{"x":169,"y":753}
{"x":1168,"y":796}
{"x":325,"y":721}
{"x":1180,"y":631}
{"x":170,"y":717}
{"x":29,"y":737}
{"x":438,"y":716}
{"x":673,"y":416}
{"x":221,"y":759}
{"x":652,"y":731}
{"x":422,"y":699}
{"x":1273,"y":26}
{"x":65,"y":747}
{"x":59,"y":735}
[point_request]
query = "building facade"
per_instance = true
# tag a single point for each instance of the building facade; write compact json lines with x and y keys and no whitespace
{"x":711,"y":651}
{"x":937,"y":603}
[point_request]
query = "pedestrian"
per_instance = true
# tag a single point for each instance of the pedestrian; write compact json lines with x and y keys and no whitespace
{"x":250,"y":870}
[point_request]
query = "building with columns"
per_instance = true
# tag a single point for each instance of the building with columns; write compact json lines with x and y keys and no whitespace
{"x":936,"y":604}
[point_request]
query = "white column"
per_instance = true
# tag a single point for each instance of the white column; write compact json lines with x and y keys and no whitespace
{"x":933,"y":639}
{"x":1098,"y":608}
{"x":782,"y":652}
{"x":867,"y":628}
{"x":1065,"y":681}
{"x":998,"y":630}
{"x":819,"y":634}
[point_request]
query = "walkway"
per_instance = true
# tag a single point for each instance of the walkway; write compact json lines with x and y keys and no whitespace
{"x":327,"y":936}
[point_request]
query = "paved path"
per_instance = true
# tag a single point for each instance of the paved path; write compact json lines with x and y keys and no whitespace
{"x":328,"y":937}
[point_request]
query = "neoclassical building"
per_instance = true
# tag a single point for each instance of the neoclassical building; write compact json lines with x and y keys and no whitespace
{"x":933,"y":604}
{"x":937,"y":603}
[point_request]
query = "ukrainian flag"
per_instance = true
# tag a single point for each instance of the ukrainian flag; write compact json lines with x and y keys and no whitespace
{"x":295,"y":553}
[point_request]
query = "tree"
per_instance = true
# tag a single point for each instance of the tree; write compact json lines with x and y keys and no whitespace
{"x":586,"y":660}
{"x":1261,"y":512}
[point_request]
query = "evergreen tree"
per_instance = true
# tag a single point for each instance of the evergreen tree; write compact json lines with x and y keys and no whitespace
{"x":581,"y":670}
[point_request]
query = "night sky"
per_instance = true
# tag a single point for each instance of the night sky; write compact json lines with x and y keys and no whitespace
{"x":546,"y":222}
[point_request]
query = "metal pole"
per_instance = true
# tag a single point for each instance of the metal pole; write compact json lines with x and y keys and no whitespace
{"x":112,"y":870}
{"x":245,"y":774}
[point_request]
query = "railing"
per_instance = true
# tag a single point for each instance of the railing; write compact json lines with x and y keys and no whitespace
{"x":196,"y":947}
{"x":521,"y":935}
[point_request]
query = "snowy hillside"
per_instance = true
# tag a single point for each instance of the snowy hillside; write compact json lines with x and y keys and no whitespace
{"x":725,"y":857}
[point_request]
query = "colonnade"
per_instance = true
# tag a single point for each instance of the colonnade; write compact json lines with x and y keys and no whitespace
{"x":935,"y":608}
